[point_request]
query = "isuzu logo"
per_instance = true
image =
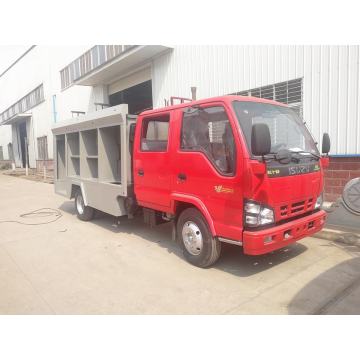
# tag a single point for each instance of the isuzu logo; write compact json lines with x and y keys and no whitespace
{"x":300,"y":169}
{"x":286,"y":170}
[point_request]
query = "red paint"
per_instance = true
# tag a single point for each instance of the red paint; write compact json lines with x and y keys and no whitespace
{"x":325,"y":162}
{"x":161,"y":189}
{"x":298,"y":229}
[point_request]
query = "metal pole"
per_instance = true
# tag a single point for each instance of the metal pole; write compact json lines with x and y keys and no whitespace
{"x":26,"y":158}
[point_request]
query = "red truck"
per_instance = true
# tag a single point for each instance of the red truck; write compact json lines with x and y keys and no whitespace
{"x":240,"y":170}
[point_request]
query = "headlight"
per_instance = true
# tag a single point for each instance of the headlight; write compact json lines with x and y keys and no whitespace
{"x":252,"y":208}
{"x":319,"y":202}
{"x":257,"y":214}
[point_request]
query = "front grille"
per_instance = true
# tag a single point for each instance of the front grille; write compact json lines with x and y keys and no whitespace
{"x":296,"y":208}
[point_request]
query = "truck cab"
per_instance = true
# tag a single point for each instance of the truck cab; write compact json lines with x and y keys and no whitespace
{"x":230,"y":169}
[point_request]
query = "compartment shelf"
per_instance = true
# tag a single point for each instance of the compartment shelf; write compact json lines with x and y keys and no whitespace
{"x":60,"y":155}
{"x":73,"y":144}
{"x":74,"y":166}
{"x":92,"y":168}
{"x":73,"y":149}
{"x":109,"y":154}
{"x":90,"y":142}
{"x":89,"y":154}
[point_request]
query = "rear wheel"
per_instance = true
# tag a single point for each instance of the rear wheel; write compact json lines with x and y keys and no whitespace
{"x":84,"y":213}
{"x":200,"y":248}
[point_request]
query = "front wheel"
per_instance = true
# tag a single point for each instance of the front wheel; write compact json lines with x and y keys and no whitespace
{"x":200,"y":248}
{"x":84,"y":213}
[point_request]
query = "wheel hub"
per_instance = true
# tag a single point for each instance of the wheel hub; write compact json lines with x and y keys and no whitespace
{"x":80,"y":204}
{"x":192,"y":238}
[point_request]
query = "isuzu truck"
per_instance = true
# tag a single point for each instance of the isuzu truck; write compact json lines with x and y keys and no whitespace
{"x":233,"y":169}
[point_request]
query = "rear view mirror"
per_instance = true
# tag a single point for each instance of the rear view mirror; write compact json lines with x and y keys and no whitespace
{"x":260,"y":140}
{"x":325,"y":149}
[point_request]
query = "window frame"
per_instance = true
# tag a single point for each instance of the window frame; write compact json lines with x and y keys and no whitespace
{"x":212,"y":162}
{"x":145,"y":121}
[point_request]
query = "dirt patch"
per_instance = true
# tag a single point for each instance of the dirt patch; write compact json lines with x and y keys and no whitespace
{"x":33,"y":175}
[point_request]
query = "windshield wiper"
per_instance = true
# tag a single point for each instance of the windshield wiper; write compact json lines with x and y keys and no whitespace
{"x":283,"y":158}
{"x":314,"y":156}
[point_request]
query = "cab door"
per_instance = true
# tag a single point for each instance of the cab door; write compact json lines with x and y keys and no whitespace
{"x":152,"y":175}
{"x":208,"y":166}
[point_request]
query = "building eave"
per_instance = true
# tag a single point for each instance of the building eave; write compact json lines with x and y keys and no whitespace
{"x":16,"y":118}
{"x":110,"y":71}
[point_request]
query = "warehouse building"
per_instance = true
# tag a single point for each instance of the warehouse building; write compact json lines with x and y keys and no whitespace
{"x":50,"y":84}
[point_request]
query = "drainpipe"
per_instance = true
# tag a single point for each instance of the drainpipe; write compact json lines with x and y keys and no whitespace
{"x":54,"y":107}
{"x":26,"y":157}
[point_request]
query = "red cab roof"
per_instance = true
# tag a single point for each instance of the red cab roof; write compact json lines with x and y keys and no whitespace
{"x":225,"y":98}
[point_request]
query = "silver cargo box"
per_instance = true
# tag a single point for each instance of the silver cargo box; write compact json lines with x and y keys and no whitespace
{"x":92,"y":153}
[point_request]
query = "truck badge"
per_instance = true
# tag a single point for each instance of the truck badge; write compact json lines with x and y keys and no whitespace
{"x":221,"y":189}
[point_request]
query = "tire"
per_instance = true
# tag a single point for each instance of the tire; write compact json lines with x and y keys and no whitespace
{"x":200,"y":248}
{"x":84,"y":213}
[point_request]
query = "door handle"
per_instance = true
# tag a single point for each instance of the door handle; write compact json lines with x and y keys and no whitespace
{"x":182,"y":176}
{"x":141,"y":172}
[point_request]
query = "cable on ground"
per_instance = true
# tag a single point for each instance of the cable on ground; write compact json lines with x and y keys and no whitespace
{"x":39,"y":213}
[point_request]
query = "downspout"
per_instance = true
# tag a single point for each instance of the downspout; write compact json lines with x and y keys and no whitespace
{"x":34,"y":139}
{"x":54,"y":108}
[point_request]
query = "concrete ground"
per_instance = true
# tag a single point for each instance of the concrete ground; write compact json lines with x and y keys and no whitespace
{"x":102,"y":267}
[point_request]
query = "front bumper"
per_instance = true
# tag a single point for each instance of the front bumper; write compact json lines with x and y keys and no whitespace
{"x":264,"y":241}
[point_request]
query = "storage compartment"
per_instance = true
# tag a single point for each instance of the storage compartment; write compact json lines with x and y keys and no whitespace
{"x":73,"y":154}
{"x":73,"y":144}
{"x":89,"y":154}
{"x":110,"y":154}
{"x":89,"y":138}
{"x":60,"y":157}
{"x":92,"y":168}
{"x":74,"y":166}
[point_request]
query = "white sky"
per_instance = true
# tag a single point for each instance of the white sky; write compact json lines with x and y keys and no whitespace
{"x":9,"y":53}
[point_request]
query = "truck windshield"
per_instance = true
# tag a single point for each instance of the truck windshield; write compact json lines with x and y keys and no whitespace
{"x":287,"y":131}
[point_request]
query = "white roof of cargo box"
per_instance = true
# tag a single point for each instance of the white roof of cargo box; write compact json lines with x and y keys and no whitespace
{"x":106,"y":117}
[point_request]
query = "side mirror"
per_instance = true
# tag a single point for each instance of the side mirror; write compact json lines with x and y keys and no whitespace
{"x":260,"y":140}
{"x":325,"y":149}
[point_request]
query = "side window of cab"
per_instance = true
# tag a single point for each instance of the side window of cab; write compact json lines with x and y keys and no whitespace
{"x":155,"y":133}
{"x":208,"y":130}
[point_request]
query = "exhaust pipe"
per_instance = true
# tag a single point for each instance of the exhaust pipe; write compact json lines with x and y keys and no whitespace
{"x":193,"y":92}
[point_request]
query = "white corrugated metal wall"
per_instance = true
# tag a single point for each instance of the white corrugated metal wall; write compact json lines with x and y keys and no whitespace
{"x":330,"y":81}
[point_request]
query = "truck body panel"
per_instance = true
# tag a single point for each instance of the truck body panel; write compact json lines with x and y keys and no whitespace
{"x":93,"y":154}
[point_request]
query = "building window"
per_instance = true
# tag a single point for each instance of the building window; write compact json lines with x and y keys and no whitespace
{"x":155,"y":133}
{"x":1,"y":153}
{"x":42,"y":148}
{"x":287,"y":92}
{"x":208,"y":131}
